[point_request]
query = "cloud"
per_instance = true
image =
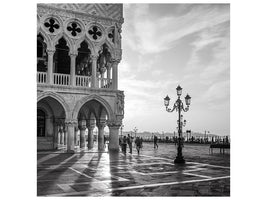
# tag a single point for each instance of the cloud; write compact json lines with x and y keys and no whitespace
{"x":153,"y":35}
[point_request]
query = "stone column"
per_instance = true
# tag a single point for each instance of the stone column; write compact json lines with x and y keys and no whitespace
{"x":90,"y":136}
{"x":61,"y":137}
{"x":94,"y":78}
{"x":102,"y":80}
{"x":114,"y":136}
{"x":55,"y":136}
{"x":108,"y":74}
{"x":115,"y":74}
{"x":82,"y":133}
{"x":101,"y":127}
{"x":65,"y":135}
{"x":58,"y":137}
{"x":72,"y":68}
{"x":50,"y":54}
{"x":70,"y":126}
{"x":75,"y":135}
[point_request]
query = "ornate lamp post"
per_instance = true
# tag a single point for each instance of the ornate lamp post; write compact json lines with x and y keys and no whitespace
{"x":179,"y":107}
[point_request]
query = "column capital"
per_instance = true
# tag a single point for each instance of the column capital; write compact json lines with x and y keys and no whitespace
{"x":50,"y":51}
{"x":101,"y":125}
{"x":115,"y":61}
{"x":71,"y":122}
{"x":73,"y":54}
{"x":82,"y":124}
{"x":114,"y":124}
{"x":94,"y":57}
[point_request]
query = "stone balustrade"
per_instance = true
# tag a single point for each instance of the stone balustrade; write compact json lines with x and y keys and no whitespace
{"x":41,"y":77}
{"x":61,"y":79}
{"x":80,"y":81}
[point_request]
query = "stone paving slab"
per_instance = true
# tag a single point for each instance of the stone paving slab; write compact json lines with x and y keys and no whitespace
{"x":152,"y":173}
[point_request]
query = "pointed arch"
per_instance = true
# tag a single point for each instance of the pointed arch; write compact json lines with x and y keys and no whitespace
{"x":58,"y":98}
{"x":88,"y":42}
{"x":110,"y":47}
{"x":102,"y":101}
{"x":66,"y":37}
{"x":46,"y":38}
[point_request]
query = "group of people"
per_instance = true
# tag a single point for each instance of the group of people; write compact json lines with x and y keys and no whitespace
{"x":129,"y":141}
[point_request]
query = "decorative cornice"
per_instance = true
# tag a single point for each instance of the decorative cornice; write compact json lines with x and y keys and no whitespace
{"x":80,"y":14}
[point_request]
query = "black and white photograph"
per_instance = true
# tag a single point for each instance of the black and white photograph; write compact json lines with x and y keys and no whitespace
{"x":137,"y":99}
{"x":108,"y":77}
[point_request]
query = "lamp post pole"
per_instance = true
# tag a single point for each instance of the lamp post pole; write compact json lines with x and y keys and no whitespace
{"x":179,"y":107}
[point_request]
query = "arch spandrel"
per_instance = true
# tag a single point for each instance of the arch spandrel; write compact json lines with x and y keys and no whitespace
{"x":99,"y":99}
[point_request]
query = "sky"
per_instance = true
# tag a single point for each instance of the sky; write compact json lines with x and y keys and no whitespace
{"x":166,"y":45}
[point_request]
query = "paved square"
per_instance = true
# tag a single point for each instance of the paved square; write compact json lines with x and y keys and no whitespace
{"x":115,"y":174}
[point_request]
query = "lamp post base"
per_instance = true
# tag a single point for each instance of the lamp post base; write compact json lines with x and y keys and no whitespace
{"x":179,"y":160}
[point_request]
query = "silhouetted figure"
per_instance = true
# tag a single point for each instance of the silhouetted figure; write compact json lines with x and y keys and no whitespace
{"x":156,"y":142}
{"x":124,"y":144}
{"x":129,"y":141}
{"x":226,"y":140}
{"x":141,"y":139}
{"x":138,"y":144}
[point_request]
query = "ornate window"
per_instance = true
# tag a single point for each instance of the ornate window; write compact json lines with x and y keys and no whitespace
{"x":52,"y":25}
{"x":95,"y":33}
{"x":74,"y":29}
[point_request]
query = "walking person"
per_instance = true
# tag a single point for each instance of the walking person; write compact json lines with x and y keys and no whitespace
{"x":129,"y":141}
{"x":156,"y":142}
{"x":124,"y":145}
{"x":138,"y":144}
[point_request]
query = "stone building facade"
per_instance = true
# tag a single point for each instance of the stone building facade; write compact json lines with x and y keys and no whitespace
{"x":78,"y":53}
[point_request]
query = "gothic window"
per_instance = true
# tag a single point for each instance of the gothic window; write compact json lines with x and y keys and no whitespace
{"x":111,"y":34}
{"x":40,"y":123}
{"x":41,"y":54}
{"x":61,"y":58}
{"x":52,"y":25}
{"x":83,"y":60}
{"x":95,"y":32}
{"x":104,"y":59}
{"x":74,"y":28}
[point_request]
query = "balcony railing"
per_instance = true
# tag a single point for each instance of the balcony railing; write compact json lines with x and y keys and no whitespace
{"x":80,"y":81}
{"x":104,"y":83}
{"x":83,"y":81}
{"x":41,"y":77}
{"x":61,"y":79}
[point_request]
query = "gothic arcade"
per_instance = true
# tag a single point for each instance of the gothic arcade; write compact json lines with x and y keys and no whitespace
{"x":78,"y":52}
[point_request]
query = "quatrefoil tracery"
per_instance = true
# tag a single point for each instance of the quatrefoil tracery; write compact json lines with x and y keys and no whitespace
{"x":95,"y":32}
{"x":52,"y":25}
{"x":74,"y":29}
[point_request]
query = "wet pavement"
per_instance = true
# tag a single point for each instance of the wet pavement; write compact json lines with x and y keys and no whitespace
{"x":152,"y":173}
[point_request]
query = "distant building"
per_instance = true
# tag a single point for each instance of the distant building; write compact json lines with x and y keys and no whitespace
{"x":78,"y":52}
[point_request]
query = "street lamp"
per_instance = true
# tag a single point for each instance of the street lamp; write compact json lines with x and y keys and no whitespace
{"x":135,"y":130}
{"x":179,"y":107}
